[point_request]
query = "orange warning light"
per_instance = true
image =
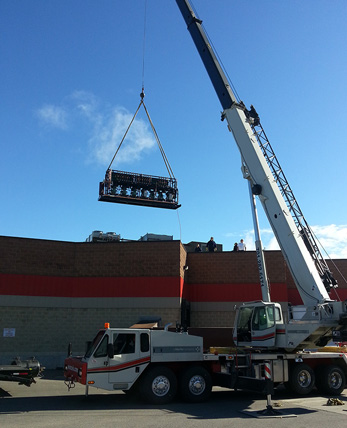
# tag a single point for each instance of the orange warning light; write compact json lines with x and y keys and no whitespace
{"x":107,"y":325}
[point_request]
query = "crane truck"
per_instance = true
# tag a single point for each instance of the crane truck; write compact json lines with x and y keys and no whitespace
{"x":158,"y":363}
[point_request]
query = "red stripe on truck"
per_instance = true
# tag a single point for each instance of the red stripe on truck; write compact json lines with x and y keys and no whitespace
{"x":119,"y":367}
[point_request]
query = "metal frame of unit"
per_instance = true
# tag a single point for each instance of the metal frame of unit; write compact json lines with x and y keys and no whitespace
{"x":139,"y":189}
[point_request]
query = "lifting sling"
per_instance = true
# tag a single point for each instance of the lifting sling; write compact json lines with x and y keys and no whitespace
{"x":140,"y":189}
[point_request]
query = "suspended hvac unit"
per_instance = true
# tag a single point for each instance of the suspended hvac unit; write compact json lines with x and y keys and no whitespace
{"x":124,"y":187}
{"x":139,"y":189}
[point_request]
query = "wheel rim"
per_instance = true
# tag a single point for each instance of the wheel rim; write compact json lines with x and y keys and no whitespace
{"x":197,"y":385}
{"x":335,"y":380}
{"x":160,"y":386}
{"x":304,"y":379}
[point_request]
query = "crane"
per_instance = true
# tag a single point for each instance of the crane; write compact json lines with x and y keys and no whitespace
{"x":162,"y":361}
{"x":262,"y":323}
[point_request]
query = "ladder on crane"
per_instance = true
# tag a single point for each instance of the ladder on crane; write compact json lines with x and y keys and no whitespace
{"x":292,"y":204}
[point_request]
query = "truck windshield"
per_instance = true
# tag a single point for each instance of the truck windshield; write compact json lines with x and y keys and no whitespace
{"x":94,"y":343}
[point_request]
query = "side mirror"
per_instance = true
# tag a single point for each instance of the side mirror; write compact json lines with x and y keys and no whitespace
{"x":110,"y":350}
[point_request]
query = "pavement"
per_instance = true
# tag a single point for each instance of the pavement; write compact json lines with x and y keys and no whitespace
{"x":48,"y":403}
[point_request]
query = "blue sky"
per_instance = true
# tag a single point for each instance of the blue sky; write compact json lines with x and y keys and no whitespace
{"x":71,"y":75}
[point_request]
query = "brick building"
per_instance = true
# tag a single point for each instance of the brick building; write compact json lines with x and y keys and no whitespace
{"x":53,"y":293}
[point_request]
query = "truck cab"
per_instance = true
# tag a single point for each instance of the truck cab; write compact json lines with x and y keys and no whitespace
{"x":117,"y":357}
{"x":258,"y":324}
{"x":113,"y":361}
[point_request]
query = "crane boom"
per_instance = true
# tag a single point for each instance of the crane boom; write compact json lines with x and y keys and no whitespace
{"x":219,"y":81}
{"x":260,"y":167}
{"x":305,"y":274}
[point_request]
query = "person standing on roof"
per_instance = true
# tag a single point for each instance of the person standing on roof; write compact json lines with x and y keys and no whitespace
{"x":211,"y":245}
{"x":197,"y":248}
{"x":241,"y":245}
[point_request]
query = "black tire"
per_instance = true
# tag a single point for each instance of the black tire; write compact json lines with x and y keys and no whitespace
{"x":330,"y":380}
{"x":301,"y":379}
{"x":158,"y":386}
{"x":195,"y":384}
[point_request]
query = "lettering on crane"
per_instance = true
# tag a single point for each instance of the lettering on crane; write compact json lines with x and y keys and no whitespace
{"x":175,"y":349}
{"x":260,"y":268}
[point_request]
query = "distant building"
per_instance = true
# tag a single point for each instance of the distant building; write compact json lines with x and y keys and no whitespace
{"x":154,"y":237}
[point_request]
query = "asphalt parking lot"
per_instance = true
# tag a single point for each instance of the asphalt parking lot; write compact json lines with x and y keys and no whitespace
{"x":48,"y":403}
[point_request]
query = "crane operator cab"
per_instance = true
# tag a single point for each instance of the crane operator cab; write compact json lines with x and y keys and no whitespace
{"x":255,"y":324}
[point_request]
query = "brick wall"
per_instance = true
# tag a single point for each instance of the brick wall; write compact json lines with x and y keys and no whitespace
{"x":46,"y":322}
{"x":46,"y":332}
{"x":55,"y":258}
{"x":213,"y":318}
{"x":217,"y":282}
{"x":238,"y":267}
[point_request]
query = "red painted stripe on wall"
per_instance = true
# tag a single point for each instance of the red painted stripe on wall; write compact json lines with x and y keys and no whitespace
{"x":232,"y":292}
{"x":294,"y":297}
{"x":48,"y":286}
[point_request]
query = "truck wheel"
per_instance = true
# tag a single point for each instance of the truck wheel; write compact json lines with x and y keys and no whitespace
{"x":301,"y":379}
{"x":158,"y":386}
{"x":331,"y":380}
{"x":195,"y":384}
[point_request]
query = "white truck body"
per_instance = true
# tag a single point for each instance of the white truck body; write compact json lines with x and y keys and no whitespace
{"x":158,"y":363}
